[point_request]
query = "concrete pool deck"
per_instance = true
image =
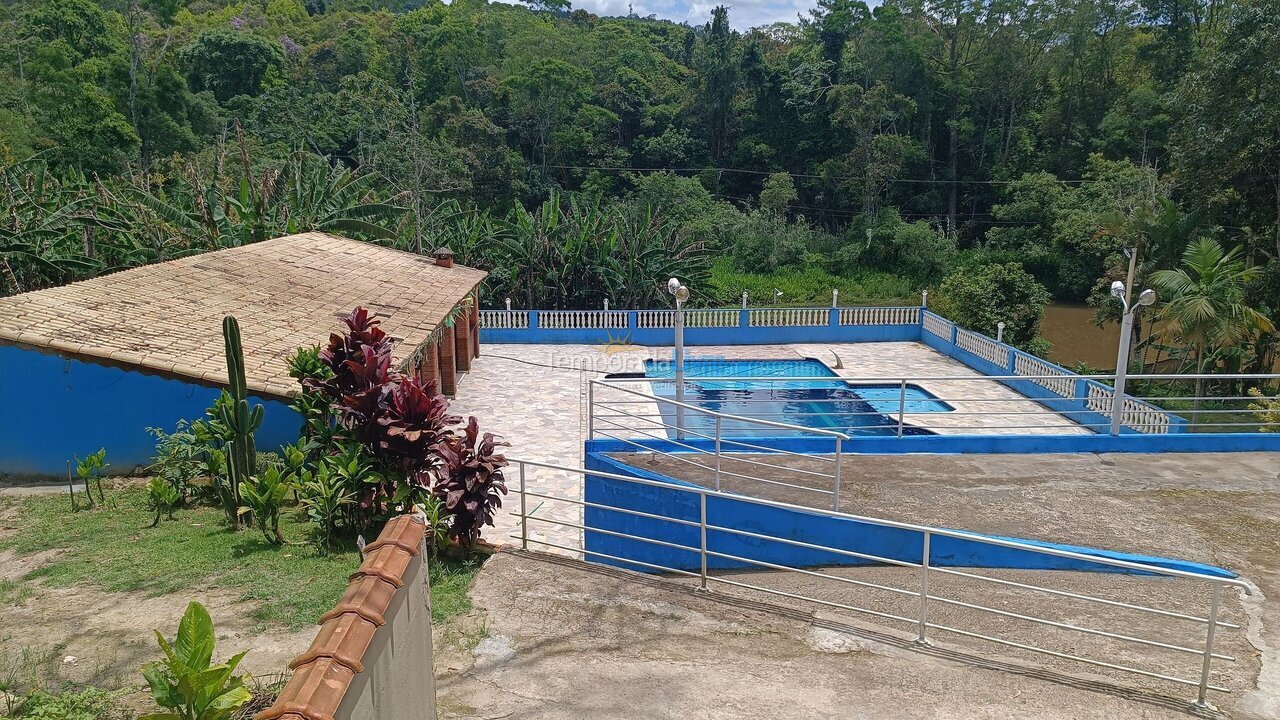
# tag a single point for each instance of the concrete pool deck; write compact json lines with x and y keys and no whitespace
{"x":535,"y":397}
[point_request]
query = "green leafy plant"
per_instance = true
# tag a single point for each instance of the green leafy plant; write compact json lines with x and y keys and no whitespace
{"x":325,"y":497}
{"x":437,"y":518}
{"x":312,"y":404}
{"x":86,"y":704}
{"x":162,"y":498}
{"x":1268,"y":410}
{"x":264,"y":494}
{"x":186,"y":683}
{"x":181,"y":457}
{"x":90,"y":470}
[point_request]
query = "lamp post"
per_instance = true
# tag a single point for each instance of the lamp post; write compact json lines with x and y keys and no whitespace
{"x":1145,"y":298}
{"x":680,"y":293}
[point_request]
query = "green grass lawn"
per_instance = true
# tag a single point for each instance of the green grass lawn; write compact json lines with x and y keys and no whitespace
{"x":114,"y":549}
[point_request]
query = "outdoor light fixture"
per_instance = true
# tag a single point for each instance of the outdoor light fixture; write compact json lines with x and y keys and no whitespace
{"x":1145,"y":298}
{"x":680,"y":292}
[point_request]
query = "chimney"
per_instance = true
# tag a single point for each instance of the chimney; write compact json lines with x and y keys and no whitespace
{"x":444,"y":257}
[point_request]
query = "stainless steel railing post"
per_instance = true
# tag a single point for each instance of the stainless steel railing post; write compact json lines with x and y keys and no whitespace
{"x":702,"y":531}
{"x":836,"y":489}
{"x":924,"y":592}
{"x":591,"y":408}
{"x":1201,"y":701}
{"x":718,"y":419}
{"x":524,"y":516}
{"x":902,"y":404}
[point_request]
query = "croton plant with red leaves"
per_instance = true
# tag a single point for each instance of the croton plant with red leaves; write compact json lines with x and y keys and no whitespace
{"x":470,"y":482}
{"x":404,"y":424}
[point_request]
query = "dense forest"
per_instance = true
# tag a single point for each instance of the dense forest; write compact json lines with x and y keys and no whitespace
{"x":877,"y":150}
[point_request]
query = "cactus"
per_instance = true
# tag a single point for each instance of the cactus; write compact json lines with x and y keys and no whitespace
{"x":241,"y":421}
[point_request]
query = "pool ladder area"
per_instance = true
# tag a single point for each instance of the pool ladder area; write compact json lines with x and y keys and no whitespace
{"x":636,"y":419}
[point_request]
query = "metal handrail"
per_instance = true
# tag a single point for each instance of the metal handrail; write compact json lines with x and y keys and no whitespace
{"x":1141,"y":414}
{"x":921,"y":622}
{"x":897,"y":524}
{"x":895,"y":378}
{"x":726,"y":416}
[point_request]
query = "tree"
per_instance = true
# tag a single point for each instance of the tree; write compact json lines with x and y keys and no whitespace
{"x":779,"y":191}
{"x":1225,"y":140}
{"x":77,"y":114}
{"x":543,"y":97}
{"x":230,"y":63}
{"x":1204,"y":306}
{"x":716,"y":62}
{"x":981,"y":297}
{"x":82,"y":25}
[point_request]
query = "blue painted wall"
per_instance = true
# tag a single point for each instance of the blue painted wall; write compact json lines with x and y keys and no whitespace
{"x":53,"y":408}
{"x":995,"y":444}
{"x":802,"y":526}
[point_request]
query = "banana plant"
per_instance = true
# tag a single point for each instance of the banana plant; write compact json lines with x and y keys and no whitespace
{"x":186,"y":684}
{"x":319,"y":195}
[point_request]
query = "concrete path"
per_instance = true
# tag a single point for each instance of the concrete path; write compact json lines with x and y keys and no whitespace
{"x":566,"y":641}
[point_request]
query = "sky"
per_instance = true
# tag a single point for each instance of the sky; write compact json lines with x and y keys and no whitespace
{"x":743,"y":14}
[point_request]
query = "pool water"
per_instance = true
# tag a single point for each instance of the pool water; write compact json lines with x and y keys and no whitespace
{"x":834,"y":404}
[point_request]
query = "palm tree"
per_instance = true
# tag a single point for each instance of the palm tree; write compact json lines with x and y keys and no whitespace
{"x":1204,"y":307}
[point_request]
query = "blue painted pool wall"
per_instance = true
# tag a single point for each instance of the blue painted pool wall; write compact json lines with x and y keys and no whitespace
{"x":797,"y":525}
{"x":53,"y":408}
{"x":981,"y":444}
{"x":744,"y":334}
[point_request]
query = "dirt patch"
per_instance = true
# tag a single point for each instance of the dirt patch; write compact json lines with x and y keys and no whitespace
{"x":83,"y":635}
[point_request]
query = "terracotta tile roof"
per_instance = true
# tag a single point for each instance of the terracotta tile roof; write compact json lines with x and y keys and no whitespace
{"x":323,"y":674}
{"x":286,"y":292}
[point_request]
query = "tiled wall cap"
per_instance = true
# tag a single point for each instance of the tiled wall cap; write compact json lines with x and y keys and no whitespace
{"x":314,"y":692}
{"x":388,"y":562}
{"x":344,"y":638}
{"x":323,"y":674}
{"x":406,"y":531}
{"x":368,"y":597}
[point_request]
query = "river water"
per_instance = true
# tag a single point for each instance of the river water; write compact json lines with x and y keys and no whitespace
{"x":1075,"y":338}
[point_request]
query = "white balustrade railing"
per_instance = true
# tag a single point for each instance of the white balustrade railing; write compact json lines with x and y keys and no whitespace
{"x":983,"y":346}
{"x":1046,"y":375}
{"x":1135,"y":414}
{"x":699,"y":318}
{"x":935,"y":325}
{"x":787,"y":317}
{"x":504,"y":319}
{"x":582,"y":319}
{"x":879,"y":315}
{"x":658,"y":319}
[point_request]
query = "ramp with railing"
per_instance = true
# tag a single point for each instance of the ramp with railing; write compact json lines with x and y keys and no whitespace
{"x":661,"y":526}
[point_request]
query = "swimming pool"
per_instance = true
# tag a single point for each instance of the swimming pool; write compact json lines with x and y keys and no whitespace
{"x":854,"y":409}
